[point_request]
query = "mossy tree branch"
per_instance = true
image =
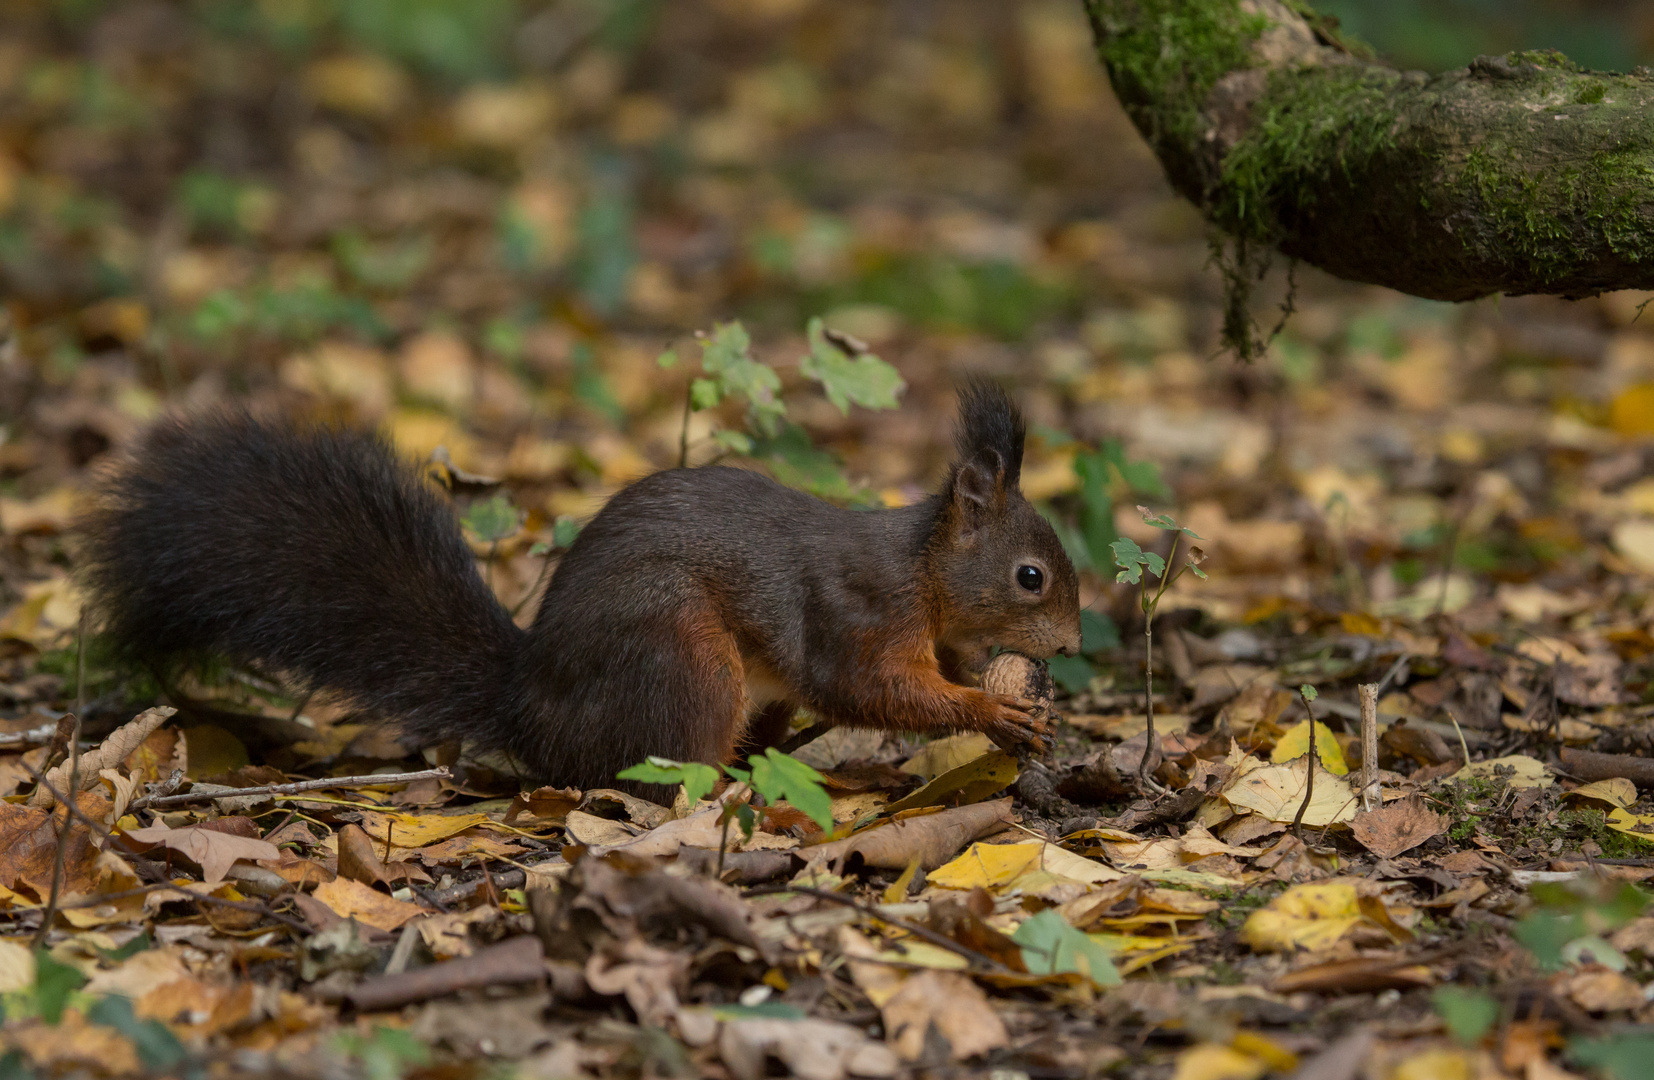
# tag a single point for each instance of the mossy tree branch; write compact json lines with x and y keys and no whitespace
{"x":1519,"y":174}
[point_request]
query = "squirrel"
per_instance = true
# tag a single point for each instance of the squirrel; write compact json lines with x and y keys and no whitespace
{"x":690,"y":619}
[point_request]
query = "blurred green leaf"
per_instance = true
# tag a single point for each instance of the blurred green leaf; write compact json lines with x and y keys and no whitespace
{"x":1628,"y":1055}
{"x":697,"y":779}
{"x":1050,"y":946}
{"x":492,"y":519}
{"x":1073,"y":673}
{"x":158,"y":1048}
{"x":1468,"y":1014}
{"x":53,"y":983}
{"x":1097,"y":632}
{"x":864,"y":380}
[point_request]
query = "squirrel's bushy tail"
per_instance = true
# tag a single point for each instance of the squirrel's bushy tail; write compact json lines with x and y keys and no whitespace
{"x":315,"y":553}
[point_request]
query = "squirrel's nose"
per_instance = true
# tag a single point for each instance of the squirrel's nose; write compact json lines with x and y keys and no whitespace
{"x":1072,"y":648}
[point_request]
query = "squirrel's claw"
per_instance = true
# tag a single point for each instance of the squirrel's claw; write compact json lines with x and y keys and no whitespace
{"x":1022,"y":722}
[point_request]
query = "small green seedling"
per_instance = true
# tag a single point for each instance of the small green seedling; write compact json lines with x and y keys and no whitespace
{"x":1133,"y":561}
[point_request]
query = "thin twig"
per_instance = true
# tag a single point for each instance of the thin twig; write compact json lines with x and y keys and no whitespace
{"x":375,"y":780}
{"x":1309,"y":779}
{"x":1371,"y":795}
{"x":58,"y":857}
{"x":683,"y":436}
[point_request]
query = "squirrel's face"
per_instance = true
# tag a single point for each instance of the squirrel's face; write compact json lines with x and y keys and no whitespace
{"x":1007,"y":581}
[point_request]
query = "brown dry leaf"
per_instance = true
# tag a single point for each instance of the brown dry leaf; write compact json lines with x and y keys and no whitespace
{"x":931,"y":838}
{"x":1397,"y":827}
{"x":950,"y":1002}
{"x":357,"y":859}
{"x":28,"y":848}
{"x":353,"y":900}
{"x":74,"y":1044}
{"x":458,"y":847}
{"x":817,"y":1049}
{"x":156,"y":757}
{"x":1355,"y":975}
{"x":448,"y":935}
{"x":140,"y":973}
{"x":114,"y":750}
{"x":549,"y":805}
{"x":210,"y":849}
{"x":1599,"y":990}
{"x":1220,"y":683}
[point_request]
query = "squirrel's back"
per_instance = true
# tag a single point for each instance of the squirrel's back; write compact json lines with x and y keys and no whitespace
{"x":315,"y":551}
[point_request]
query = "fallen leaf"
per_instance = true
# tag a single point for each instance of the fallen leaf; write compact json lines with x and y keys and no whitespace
{"x":353,"y":900}
{"x":971,"y":782}
{"x":816,"y":1049}
{"x":1214,"y":1061}
{"x":1519,"y":770}
{"x":110,"y":753}
{"x":1397,"y":827}
{"x":1616,"y":792}
{"x":943,"y":755}
{"x":17,"y":966}
{"x":1295,"y":744}
{"x":416,"y":830}
{"x":213,"y":851}
{"x":1277,"y":792}
{"x":951,"y":1003}
{"x":1311,"y":917}
{"x":931,"y":838}
{"x":1600,"y":990}
{"x":999,"y":866}
{"x":1638,"y":825}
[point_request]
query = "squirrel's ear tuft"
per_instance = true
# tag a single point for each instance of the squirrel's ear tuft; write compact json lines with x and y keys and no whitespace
{"x":990,"y":432}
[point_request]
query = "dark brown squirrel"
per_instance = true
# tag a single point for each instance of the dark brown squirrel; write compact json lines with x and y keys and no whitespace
{"x":691,"y":618}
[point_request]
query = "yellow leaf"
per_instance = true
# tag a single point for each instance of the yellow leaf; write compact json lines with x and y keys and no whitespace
{"x":1211,"y":1061}
{"x":1632,"y":412}
{"x":987,"y":865}
{"x":941,"y":755}
{"x":1617,"y":792}
{"x":1310,"y":917}
{"x":1528,"y":772}
{"x":1277,"y":791}
{"x":1000,"y":867}
{"x":16,"y":967}
{"x":971,"y":782}
{"x":417,"y":830}
{"x":1639,"y":825}
{"x":1437,"y":1064}
{"x":1295,"y":744}
{"x":1134,"y":951}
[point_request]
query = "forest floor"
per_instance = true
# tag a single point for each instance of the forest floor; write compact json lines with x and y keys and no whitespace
{"x":479,"y":227}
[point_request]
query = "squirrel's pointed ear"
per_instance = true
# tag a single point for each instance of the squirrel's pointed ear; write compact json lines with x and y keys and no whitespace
{"x":978,"y":489}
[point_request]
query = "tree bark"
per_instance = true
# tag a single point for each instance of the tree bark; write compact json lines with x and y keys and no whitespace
{"x":1519,"y":174}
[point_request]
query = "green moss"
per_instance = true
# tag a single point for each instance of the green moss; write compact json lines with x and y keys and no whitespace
{"x":1535,"y":211}
{"x":1592,"y":94}
{"x":1166,"y":55}
{"x":1309,"y":129}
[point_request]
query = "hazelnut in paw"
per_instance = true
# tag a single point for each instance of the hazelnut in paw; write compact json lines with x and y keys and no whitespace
{"x":1023,"y":687}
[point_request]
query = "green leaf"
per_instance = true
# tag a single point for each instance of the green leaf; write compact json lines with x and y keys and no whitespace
{"x":1073,"y":673}
{"x":697,"y":779}
{"x":1628,"y":1055}
{"x":667,"y":359}
{"x":387,"y":1054}
{"x":564,"y":531}
{"x":1156,"y":565}
{"x":1050,"y":947}
{"x":14,"y":1066}
{"x":738,"y":442}
{"x":864,"y":380}
{"x":1129,"y":557}
{"x":1545,"y":933}
{"x":492,"y":520}
{"x":703,"y":394}
{"x":1096,"y":506}
{"x":1309,"y":692}
{"x":53,"y":983}
{"x":1197,"y":571}
{"x":1468,"y":1014}
{"x":779,"y":776}
{"x":726,"y":356}
{"x":1097,"y":632}
{"x":747,"y":819}
{"x":127,"y":951}
{"x":158,"y":1048}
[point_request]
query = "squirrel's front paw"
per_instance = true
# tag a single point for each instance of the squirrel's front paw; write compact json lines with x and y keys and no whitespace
{"x":1018,"y":722}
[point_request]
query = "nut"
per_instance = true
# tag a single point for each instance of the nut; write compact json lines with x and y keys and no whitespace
{"x":1015,"y":675}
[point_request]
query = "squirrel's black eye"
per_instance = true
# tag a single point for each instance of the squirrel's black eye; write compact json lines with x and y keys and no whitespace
{"x":1030,"y":578}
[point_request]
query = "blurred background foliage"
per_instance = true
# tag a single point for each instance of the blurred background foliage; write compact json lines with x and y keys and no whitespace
{"x":478,"y":223}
